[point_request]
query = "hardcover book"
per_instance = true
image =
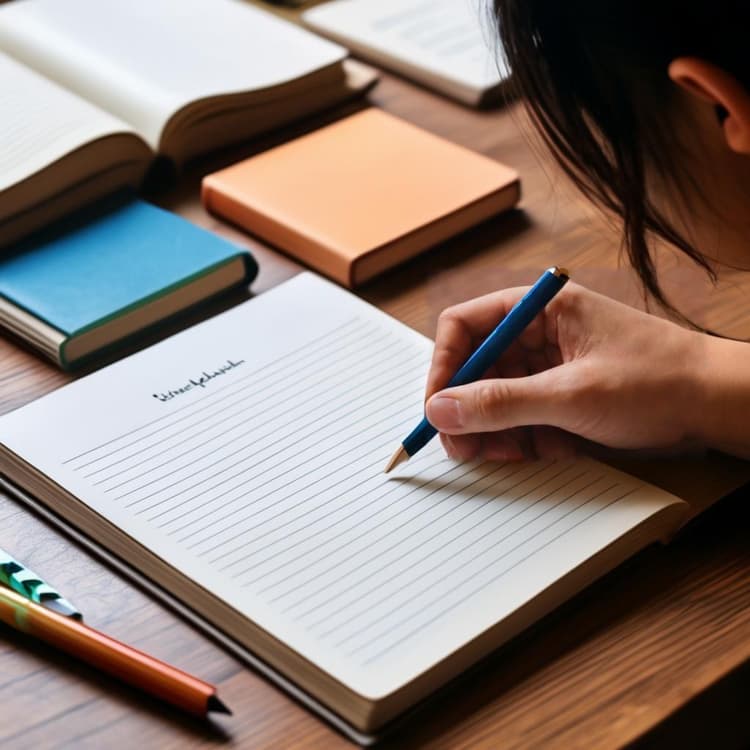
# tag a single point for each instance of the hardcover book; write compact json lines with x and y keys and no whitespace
{"x":360,"y":196}
{"x":105,"y":276}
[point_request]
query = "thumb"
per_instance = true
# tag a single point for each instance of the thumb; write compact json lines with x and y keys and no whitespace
{"x":501,"y":403}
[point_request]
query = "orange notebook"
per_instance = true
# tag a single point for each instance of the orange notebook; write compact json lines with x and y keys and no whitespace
{"x":362,"y":195}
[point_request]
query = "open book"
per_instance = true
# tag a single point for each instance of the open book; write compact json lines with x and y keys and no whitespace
{"x":448,"y":45}
{"x":239,"y":466}
{"x":92,"y":91}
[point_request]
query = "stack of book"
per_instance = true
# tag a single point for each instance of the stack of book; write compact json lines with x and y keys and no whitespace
{"x":92,"y":94}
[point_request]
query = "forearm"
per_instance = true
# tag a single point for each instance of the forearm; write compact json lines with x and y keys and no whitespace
{"x":723,"y":412}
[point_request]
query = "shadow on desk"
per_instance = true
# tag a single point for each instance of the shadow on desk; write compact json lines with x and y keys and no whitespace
{"x":717,"y":719}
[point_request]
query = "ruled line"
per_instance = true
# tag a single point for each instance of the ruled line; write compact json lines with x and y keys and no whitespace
{"x":290,"y":444}
{"x":371,"y":541}
{"x":153,"y":494}
{"x":476,"y":590}
{"x":379,"y":552}
{"x":377,"y":462}
{"x":334,"y":498}
{"x":232,"y":407}
{"x":454,"y":556}
{"x":226,"y":516}
{"x":357,"y":583}
{"x":239,"y":521}
{"x":212,"y":393}
{"x":369,"y":530}
{"x":213,"y":499}
{"x":196,"y":520}
{"x":356,"y":511}
{"x":240,"y":386}
{"x":271,"y":409}
{"x":484,"y":552}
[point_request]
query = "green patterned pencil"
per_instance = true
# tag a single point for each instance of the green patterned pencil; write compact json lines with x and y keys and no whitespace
{"x":18,"y":577}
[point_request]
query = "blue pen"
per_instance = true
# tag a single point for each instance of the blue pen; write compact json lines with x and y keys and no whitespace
{"x":507,"y":331}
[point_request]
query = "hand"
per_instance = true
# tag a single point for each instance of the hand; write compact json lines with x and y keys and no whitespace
{"x":587,"y":369}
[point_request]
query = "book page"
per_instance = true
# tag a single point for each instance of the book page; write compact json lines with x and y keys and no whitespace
{"x":451,"y":39}
{"x":144,"y":60}
{"x":248,"y":452}
{"x":43,"y":122}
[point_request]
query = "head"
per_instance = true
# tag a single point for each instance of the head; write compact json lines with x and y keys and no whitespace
{"x":646,"y":105}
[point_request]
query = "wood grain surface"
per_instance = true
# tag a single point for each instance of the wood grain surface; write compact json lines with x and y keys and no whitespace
{"x":656,"y":652}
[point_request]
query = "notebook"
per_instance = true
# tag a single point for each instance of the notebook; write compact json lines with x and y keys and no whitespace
{"x":358,"y":197}
{"x":448,"y":45}
{"x":92,"y":91}
{"x":109,"y":274}
{"x":242,"y":472}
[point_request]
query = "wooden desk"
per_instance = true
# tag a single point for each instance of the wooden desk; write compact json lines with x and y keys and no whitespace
{"x":654,"y":638}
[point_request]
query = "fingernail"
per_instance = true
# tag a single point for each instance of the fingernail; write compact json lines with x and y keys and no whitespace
{"x":444,"y":413}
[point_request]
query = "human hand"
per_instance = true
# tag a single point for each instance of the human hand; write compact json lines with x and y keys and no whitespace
{"x":587,"y":369}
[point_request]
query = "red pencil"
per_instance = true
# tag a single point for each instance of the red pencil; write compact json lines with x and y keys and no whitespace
{"x":102,"y":652}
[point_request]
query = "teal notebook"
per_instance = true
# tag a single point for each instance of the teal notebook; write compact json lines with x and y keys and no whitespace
{"x":101,"y":279}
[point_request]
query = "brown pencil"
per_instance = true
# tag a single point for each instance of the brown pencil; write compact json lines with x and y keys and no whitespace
{"x":108,"y":655}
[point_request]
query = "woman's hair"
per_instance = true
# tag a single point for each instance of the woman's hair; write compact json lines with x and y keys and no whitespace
{"x":593,"y":74}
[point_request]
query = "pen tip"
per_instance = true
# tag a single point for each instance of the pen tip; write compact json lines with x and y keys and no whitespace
{"x":214,"y":704}
{"x":397,"y":458}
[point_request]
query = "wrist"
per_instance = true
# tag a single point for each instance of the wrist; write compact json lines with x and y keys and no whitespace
{"x":720,"y":417}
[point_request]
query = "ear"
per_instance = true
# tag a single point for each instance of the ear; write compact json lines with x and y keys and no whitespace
{"x":713,"y":84}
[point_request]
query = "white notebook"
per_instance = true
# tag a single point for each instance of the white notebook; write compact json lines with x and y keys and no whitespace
{"x":239,"y":465}
{"x":448,"y":45}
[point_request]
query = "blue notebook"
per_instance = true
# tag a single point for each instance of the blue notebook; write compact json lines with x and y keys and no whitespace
{"x":101,"y":279}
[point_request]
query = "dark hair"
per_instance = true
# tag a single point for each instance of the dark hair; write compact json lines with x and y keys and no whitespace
{"x":593,"y":74}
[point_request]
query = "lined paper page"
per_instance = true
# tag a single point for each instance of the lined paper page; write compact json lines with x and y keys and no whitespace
{"x":43,"y":122}
{"x":248,"y":452}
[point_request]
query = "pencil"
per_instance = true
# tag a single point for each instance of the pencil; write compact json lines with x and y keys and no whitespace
{"x":18,"y":577}
{"x":108,"y":655}
{"x":506,"y":332}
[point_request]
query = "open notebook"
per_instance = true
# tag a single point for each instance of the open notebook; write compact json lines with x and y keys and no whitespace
{"x":239,"y":465}
{"x":92,"y":91}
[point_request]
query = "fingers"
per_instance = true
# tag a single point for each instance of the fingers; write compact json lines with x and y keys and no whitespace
{"x":501,"y":404}
{"x":551,"y":443}
{"x":518,"y":444}
{"x":462,"y":447}
{"x":453,"y":345}
{"x":502,"y":446}
{"x":462,"y":328}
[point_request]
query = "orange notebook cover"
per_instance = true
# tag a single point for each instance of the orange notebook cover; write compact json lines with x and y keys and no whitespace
{"x":362,"y":195}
